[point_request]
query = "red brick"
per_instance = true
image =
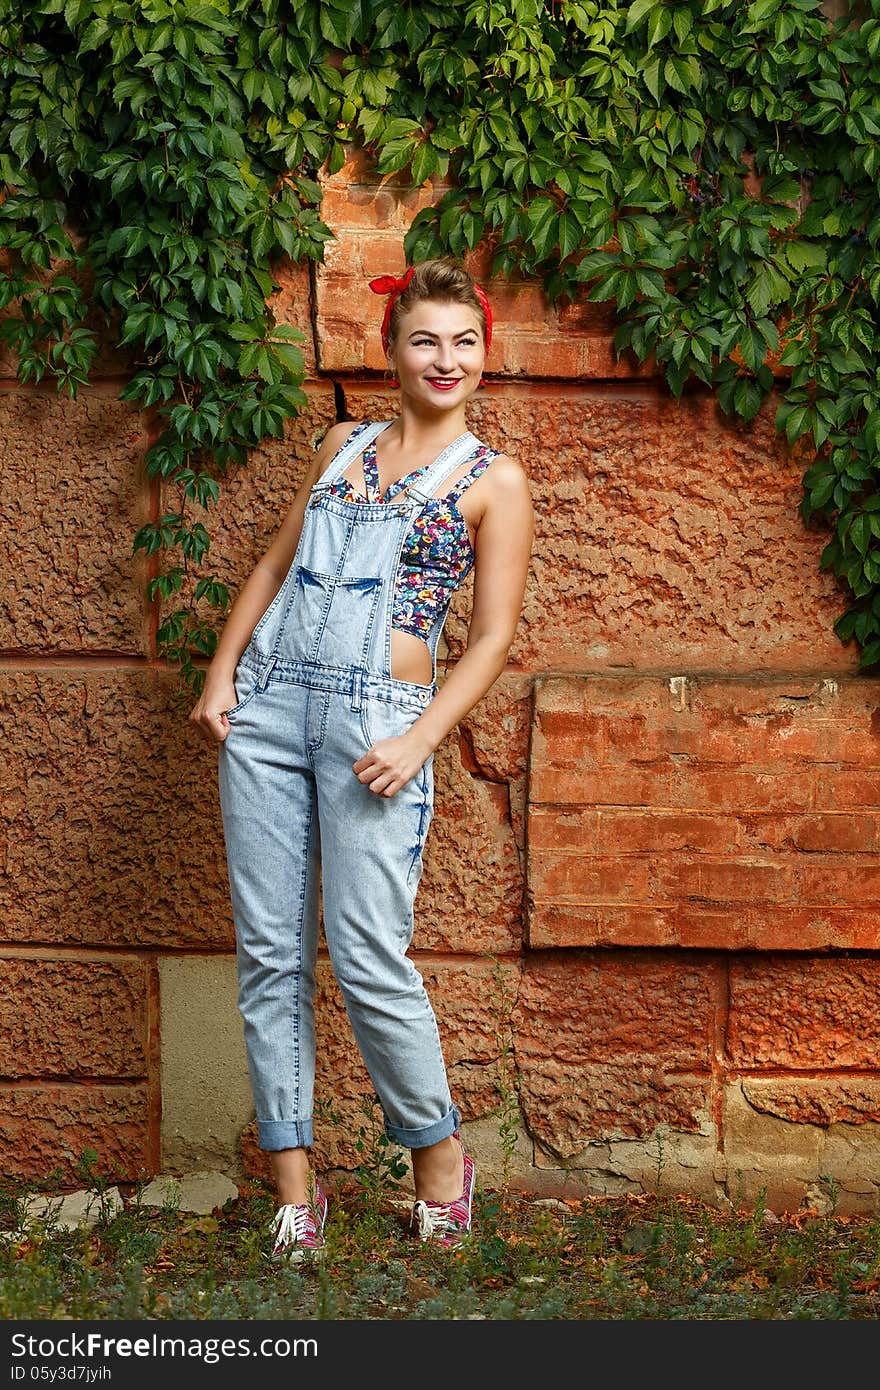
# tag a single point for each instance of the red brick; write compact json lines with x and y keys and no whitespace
{"x":840,"y":789}
{"x":351,"y":208}
{"x":608,"y":924}
{"x":621,"y":786}
{"x":377,"y":255}
{"x":706,"y":927}
{"x":662,"y":831}
{"x":291,"y":304}
{"x":572,"y":827}
{"x":586,"y":878}
{"x":349,"y":298}
{"x":731,"y":880}
{"x":838,"y":880}
{"x":735,"y":789}
{"x":823,"y":833}
{"x":519,"y":353}
{"x":822,"y":927}
{"x":577,"y":734}
{"x":769,"y":879}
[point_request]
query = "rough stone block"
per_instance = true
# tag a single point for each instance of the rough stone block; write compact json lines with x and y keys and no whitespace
{"x":665,"y":1161}
{"x":46,"y":1130}
{"x":653,"y":517}
{"x":74,"y":494}
{"x":206,"y":1094}
{"x":73,"y":1018}
{"x":611,"y":1047}
{"x":255,"y":498}
{"x":765,"y":1157}
{"x":805,"y":1014}
{"x":109,"y":813}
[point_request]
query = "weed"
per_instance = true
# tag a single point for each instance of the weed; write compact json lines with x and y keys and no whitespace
{"x":381,"y":1166}
{"x":641,"y":1256}
{"x":508,"y":1111}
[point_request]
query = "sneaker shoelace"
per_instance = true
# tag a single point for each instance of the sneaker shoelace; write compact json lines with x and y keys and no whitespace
{"x":433,"y":1218}
{"x":293,"y":1225}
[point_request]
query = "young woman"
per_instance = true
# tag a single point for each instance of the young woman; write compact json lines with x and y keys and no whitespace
{"x":323,"y":696}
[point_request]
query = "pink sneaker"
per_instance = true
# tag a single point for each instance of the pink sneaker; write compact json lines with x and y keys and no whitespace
{"x":447,"y":1223}
{"x":298,"y":1231}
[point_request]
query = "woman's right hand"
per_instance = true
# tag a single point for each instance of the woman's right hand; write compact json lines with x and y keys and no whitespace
{"x":209,"y":714}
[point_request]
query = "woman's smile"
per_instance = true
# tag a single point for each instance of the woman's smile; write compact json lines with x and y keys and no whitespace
{"x":444,"y":383}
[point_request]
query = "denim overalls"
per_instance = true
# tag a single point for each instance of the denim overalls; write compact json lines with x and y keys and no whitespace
{"x":314,"y":691}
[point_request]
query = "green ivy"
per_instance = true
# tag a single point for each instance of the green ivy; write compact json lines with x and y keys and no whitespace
{"x":708,"y":169}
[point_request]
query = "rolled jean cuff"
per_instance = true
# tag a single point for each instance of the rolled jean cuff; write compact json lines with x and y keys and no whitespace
{"x":284,"y":1134}
{"x":430,"y":1134}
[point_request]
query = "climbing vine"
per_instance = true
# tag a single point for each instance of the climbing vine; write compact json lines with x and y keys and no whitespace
{"x":708,"y":168}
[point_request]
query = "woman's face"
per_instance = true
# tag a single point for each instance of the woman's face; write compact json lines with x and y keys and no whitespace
{"x":438,"y":353}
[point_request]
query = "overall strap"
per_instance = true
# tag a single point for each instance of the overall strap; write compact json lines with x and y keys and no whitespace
{"x":477,"y":468}
{"x":360,"y":436}
{"x":453,"y":457}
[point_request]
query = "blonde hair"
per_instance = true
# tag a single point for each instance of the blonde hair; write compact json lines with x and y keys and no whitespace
{"x":443,"y":279}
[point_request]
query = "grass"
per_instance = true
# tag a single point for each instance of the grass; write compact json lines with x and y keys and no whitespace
{"x":610,"y":1258}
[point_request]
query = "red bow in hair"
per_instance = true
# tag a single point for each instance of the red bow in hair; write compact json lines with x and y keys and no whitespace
{"x":392,"y":285}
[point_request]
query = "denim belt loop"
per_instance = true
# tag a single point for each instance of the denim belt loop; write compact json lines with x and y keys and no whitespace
{"x":357,"y":688}
{"x":263,"y":678}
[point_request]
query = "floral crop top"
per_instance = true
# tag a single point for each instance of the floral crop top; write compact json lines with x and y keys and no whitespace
{"x":437,"y":554}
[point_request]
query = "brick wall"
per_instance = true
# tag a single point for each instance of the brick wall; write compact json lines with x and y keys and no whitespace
{"x":648,"y":913}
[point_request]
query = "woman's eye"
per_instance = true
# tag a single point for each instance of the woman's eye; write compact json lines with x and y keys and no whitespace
{"x":429,"y":342}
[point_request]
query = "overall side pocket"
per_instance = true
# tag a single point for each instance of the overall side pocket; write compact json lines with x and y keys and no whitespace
{"x":385,"y":719}
{"x":245,"y":681}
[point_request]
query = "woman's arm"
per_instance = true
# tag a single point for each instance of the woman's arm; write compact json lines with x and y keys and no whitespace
{"x":502,"y":549}
{"x":263,"y":583}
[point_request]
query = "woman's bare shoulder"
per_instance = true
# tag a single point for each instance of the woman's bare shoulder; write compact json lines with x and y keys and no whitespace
{"x":507,"y":475}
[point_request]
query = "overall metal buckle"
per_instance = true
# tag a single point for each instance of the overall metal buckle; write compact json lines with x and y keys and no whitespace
{"x":317,"y":492}
{"x":415,"y":495}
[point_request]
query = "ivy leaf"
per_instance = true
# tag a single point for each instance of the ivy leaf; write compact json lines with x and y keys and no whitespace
{"x":637,"y":12}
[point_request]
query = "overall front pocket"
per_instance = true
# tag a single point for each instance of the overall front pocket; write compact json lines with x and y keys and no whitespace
{"x":331,"y":618}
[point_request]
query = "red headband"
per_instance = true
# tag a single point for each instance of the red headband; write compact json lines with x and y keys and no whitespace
{"x":393,"y":286}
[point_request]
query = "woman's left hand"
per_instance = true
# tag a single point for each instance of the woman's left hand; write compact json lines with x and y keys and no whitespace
{"x":390,"y":763}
